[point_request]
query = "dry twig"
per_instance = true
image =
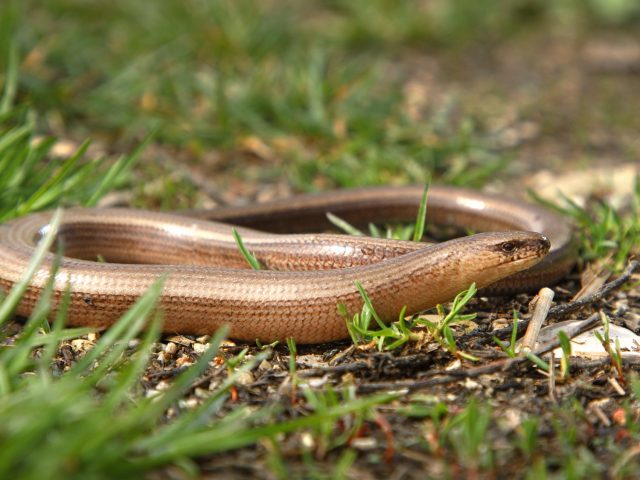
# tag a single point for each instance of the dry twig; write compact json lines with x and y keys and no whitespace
{"x":542,"y":304}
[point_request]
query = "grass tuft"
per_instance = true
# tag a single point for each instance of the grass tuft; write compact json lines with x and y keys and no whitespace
{"x":603,"y":231}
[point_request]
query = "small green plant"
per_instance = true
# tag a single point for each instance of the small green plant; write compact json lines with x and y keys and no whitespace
{"x":236,"y":360}
{"x":426,"y":406}
{"x":266,"y":346}
{"x":565,"y":344}
{"x":570,"y":425}
{"x":635,"y":386}
{"x":527,"y":439}
{"x":441,"y":330}
{"x":605,"y":340}
{"x":511,"y":348}
{"x":467,"y":432}
{"x":537,"y":361}
{"x":327,"y":435}
{"x":293,"y":370}
{"x":385,"y":336}
{"x":395,"y":334}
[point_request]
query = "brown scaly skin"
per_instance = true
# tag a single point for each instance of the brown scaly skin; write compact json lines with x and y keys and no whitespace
{"x":198,"y":298}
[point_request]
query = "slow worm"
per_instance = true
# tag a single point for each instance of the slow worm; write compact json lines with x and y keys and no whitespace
{"x":208,"y":283}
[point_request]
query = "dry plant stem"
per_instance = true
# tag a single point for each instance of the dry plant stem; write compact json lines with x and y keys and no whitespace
{"x":563,"y":309}
{"x":552,"y":378}
{"x":616,"y":386}
{"x":493,"y":367}
{"x":597,"y":411}
{"x":542,"y":304}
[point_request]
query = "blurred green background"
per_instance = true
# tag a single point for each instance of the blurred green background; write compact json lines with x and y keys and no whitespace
{"x":327,"y":93}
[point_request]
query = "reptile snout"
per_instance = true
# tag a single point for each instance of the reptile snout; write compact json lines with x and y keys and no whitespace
{"x":545,"y":243}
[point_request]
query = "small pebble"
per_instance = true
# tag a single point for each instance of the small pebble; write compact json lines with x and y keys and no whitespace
{"x":171,"y":348}
{"x":183,"y":361}
{"x":307,"y":440}
{"x":455,"y":364}
{"x":365,"y":443}
{"x":245,"y":378}
{"x":317,"y":382}
{"x":81,"y":345}
{"x":200,"y":347}
{"x":151,"y":393}
{"x":163,"y":385}
{"x":619,"y":416}
{"x":264,"y":365}
{"x":470,"y":384}
{"x":180,"y":339}
{"x":163,"y":357}
{"x":202,"y":393}
{"x":189,"y":403}
{"x":511,"y":418}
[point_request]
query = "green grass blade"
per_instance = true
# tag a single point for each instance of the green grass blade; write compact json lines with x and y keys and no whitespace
{"x":344,"y":225}
{"x":234,"y":432}
{"x":421,"y":218}
{"x":122,"y":165}
{"x":113,"y":342}
{"x":13,"y":298}
{"x":52,"y":187}
{"x":11,"y":81}
{"x":248,"y":256}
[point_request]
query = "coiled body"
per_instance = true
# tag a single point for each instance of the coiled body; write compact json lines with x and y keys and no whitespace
{"x":206,"y":284}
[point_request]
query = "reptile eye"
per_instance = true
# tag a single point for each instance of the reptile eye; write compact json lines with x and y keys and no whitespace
{"x":509,"y":247}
